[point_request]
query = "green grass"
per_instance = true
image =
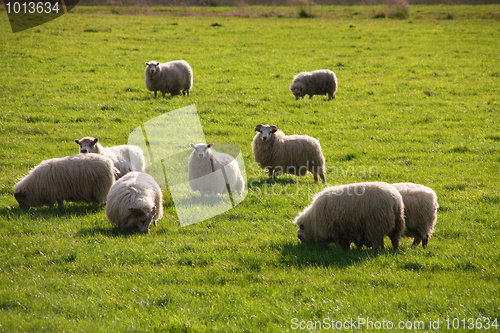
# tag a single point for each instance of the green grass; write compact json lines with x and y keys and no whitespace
{"x":417,"y":101}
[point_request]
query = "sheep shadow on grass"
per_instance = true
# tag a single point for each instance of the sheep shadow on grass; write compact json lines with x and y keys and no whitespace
{"x":110,"y":232}
{"x":50,"y":212}
{"x":324,"y":255}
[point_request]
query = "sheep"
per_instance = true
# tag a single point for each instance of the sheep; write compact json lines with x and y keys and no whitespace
{"x":319,"y":82}
{"x":126,"y":158}
{"x":135,"y":200}
{"x":202,"y":171}
{"x":86,"y":178}
{"x":362,"y":213}
{"x":173,"y":77}
{"x":420,"y":207}
{"x":293,"y":154}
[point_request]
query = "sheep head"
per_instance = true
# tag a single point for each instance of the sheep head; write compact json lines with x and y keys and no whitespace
{"x":153,"y":66}
{"x":87,"y":145}
{"x":142,"y":217}
{"x":201,"y":149}
{"x":266,"y":131}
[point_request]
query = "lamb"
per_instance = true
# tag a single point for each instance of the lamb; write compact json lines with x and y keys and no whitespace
{"x":420,"y":207}
{"x":85,"y":178}
{"x":362,"y":213}
{"x":319,"y":82}
{"x":135,"y":200}
{"x":173,"y":77}
{"x":126,"y":158}
{"x":293,"y":154}
{"x":202,"y":171}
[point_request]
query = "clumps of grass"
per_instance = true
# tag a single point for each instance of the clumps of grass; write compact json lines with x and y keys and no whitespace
{"x":394,"y":9}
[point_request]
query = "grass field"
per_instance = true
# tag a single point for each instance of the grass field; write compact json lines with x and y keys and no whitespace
{"x":418,"y":101}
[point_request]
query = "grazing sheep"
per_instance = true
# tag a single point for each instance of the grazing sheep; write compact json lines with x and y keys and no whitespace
{"x":320,"y":82}
{"x":293,"y":154}
{"x":420,"y":211}
{"x":126,"y":158}
{"x":202,"y":175}
{"x":362,"y":213}
{"x":173,"y":77}
{"x":86,"y":178}
{"x":135,"y":200}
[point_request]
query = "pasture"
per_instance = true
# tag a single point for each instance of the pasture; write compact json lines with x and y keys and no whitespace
{"x":418,"y":100}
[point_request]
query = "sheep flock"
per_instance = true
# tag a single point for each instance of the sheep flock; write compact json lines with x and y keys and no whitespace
{"x":360,"y":213}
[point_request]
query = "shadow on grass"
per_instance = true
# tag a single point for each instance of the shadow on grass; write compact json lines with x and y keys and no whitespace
{"x":266,"y":182}
{"x":312,"y":254}
{"x":50,"y":212}
{"x":111,"y":232}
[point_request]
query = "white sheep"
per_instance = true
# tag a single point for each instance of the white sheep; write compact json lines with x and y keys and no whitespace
{"x":173,"y":77}
{"x":293,"y":154}
{"x":321,"y":82}
{"x":85,"y":178}
{"x":135,"y":200}
{"x":362,"y":213}
{"x":204,"y":171}
{"x":420,"y":211}
{"x":126,"y":158}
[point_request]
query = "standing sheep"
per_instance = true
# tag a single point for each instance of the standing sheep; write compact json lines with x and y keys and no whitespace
{"x":173,"y":77}
{"x":420,"y":211}
{"x":319,"y":82}
{"x":126,"y":158}
{"x":86,"y":178}
{"x":362,"y":213}
{"x":203,"y":174}
{"x":135,"y":200}
{"x":293,"y":154}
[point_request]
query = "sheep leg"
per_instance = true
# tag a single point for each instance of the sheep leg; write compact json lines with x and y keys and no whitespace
{"x":322,"y":175}
{"x":395,"y":242}
{"x":60,"y":204}
{"x":343,"y":243}
{"x":417,"y":241}
{"x":425,"y":241}
{"x":155,"y":93}
{"x":271,"y":174}
{"x":163,"y":94}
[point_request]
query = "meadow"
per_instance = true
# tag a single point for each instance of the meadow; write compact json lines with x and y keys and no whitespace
{"x":418,"y":101}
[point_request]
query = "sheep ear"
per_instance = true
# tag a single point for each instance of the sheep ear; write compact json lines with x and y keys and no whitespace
{"x":274,"y":128}
{"x":192,"y":145}
{"x":210,"y":144}
{"x":147,"y":64}
{"x":157,"y":63}
{"x":77,"y":141}
{"x":258,"y":127}
{"x":95,"y":141}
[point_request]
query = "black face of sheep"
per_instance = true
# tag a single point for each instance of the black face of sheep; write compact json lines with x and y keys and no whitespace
{"x":265,"y":131}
